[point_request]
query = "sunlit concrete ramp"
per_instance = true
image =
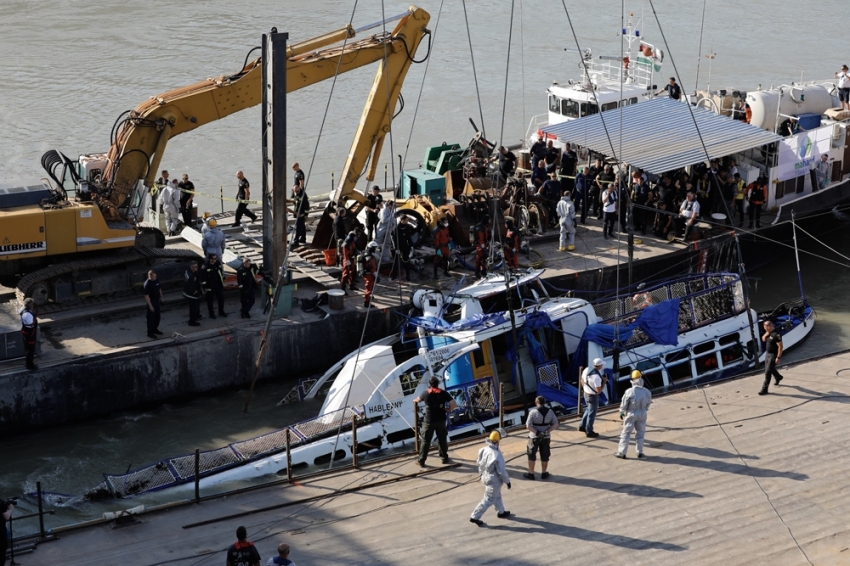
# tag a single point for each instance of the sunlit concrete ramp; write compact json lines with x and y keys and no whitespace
{"x":731,"y":478}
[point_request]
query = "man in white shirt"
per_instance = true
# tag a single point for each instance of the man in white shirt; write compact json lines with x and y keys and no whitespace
{"x":591,"y":386}
{"x":843,"y":77}
{"x":609,"y":207}
{"x":688,"y":214}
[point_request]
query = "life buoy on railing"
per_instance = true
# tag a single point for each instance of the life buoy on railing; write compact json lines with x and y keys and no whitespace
{"x":626,"y":62}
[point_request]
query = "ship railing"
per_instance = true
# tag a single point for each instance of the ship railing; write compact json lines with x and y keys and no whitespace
{"x":537,"y":122}
{"x":639,"y":72}
{"x":476,"y":400}
{"x":703,"y":299}
{"x":181,"y":469}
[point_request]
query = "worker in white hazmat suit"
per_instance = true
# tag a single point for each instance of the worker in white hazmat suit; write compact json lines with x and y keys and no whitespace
{"x":491,"y":466}
{"x":567,"y":221}
{"x":170,"y":196}
{"x":633,"y":410}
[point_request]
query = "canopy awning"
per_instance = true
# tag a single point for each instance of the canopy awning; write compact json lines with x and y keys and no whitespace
{"x":659,"y":135}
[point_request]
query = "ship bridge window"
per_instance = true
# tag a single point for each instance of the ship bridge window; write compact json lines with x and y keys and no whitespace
{"x":569,"y":108}
{"x":554,"y":104}
{"x":588,"y":108}
{"x":629,"y":101}
{"x":609,"y":106}
{"x":411,"y":378}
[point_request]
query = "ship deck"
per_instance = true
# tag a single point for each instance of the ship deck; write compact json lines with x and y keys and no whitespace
{"x":101,"y":325}
{"x":730,"y":478}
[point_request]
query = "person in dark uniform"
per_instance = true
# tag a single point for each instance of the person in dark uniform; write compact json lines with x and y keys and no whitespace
{"x":640,"y":196}
{"x":538,"y":150}
{"x":672,"y":89}
{"x":242,"y":552}
{"x":402,"y":247}
{"x":340,"y":232}
{"x":373,"y":202}
{"x":512,"y":244}
{"x":187,"y":198}
{"x":246,"y":278}
{"x":29,"y":331}
{"x":772,"y":354}
{"x":192,"y":291}
{"x":298,"y":177}
{"x":300,"y":208}
{"x":436,"y":400}
{"x":212,"y":281}
{"x":153,"y":298}
{"x":482,"y":246}
{"x":507,"y":163}
{"x":569,"y":159}
{"x":580,"y":194}
{"x":550,"y":192}
{"x":243,"y":193}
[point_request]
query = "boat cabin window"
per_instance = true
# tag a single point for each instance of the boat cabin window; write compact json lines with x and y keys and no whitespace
{"x":704,"y":347}
{"x":681,"y":372}
{"x":706,"y":364}
{"x":411,"y":378}
{"x":554,"y":104}
{"x":588,"y":108}
{"x":732,"y":355}
{"x":729,"y":339}
{"x":674,"y":357}
{"x":609,"y":106}
{"x":629,"y":101}
{"x":569,"y":108}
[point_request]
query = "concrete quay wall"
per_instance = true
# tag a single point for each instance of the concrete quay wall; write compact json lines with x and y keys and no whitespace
{"x":94,"y":386}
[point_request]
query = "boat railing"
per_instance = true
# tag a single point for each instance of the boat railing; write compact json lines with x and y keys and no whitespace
{"x":703,"y":299}
{"x":475,"y":399}
{"x":537,"y":121}
{"x":181,"y":469}
{"x":639,"y":71}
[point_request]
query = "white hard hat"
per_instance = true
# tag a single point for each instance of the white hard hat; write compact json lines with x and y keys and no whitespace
{"x":598,"y":362}
{"x":372,"y":244}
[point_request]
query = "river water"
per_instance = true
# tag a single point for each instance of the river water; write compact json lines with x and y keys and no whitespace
{"x":70,"y":68}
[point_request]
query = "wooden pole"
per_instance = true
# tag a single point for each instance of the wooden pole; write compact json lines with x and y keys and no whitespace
{"x":197,"y":476}
{"x":354,"y":440}
{"x":40,"y":513}
{"x":288,"y":459}
{"x":501,"y":405}
{"x":416,"y":427}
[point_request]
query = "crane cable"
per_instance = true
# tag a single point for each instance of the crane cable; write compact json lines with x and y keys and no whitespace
{"x":422,"y":86}
{"x":328,"y":104}
{"x":474,"y":74}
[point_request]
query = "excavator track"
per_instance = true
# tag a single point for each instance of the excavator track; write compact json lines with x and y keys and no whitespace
{"x":37,"y":284}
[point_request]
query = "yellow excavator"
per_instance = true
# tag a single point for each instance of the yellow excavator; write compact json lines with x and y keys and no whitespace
{"x":80,"y":233}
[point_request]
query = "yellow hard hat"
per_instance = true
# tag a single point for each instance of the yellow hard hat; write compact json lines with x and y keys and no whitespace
{"x":495,"y":436}
{"x":636,"y":374}
{"x":207,"y":215}
{"x":213,"y":223}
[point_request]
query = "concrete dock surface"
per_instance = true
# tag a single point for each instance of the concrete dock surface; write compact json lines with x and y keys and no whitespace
{"x":102,"y":325}
{"x":730,"y":478}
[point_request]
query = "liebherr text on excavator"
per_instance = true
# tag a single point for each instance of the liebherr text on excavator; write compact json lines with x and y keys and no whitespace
{"x":80,"y":231}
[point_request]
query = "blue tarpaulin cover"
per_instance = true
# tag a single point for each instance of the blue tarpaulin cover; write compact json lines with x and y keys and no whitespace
{"x":660,"y":323}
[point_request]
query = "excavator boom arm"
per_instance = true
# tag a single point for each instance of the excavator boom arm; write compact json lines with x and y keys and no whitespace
{"x":141,"y":139}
